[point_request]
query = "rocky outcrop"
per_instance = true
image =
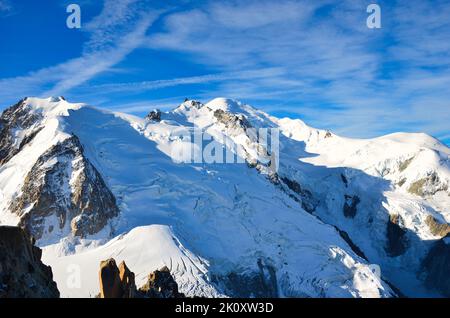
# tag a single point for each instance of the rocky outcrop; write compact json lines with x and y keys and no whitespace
{"x":344,"y":180}
{"x":428,"y":185}
{"x":17,"y":118}
{"x":64,"y":190}
{"x":160,"y":284}
{"x":437,"y":228}
{"x":404,"y":164}
{"x":397,"y":241}
{"x":22,"y":274}
{"x":260,"y":284}
{"x":118,"y":282}
{"x":110,"y":283}
{"x":230,"y":120}
{"x":436,"y":266}
{"x":127,"y":281}
{"x":192,"y":103}
{"x":350,"y":207}
{"x":307,"y":200}
{"x":253,"y":145}
{"x":401,"y":182}
{"x":237,"y":125}
{"x":352,"y":245}
{"x":154,"y":115}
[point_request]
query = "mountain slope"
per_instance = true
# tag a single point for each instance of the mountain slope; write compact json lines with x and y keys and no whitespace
{"x":309,"y":229}
{"x":401,"y":183}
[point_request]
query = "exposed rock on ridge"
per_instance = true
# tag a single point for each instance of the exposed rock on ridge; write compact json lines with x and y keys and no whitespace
{"x":64,"y":191}
{"x":22,"y":274}
{"x":428,"y":186}
{"x":351,"y":205}
{"x":154,"y":115}
{"x":437,"y":228}
{"x":261,"y":283}
{"x":13,"y":120}
{"x":397,"y":241}
{"x":437,"y":266}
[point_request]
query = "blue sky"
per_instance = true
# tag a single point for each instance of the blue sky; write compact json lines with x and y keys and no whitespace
{"x":314,"y":60}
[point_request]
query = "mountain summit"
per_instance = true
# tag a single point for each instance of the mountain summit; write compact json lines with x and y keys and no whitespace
{"x":338,"y":217}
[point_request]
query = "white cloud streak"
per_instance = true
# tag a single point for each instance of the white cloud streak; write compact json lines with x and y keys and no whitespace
{"x":314,"y":58}
{"x":338,"y":73}
{"x":108,"y":44}
{"x":5,"y":6}
{"x":202,"y":79}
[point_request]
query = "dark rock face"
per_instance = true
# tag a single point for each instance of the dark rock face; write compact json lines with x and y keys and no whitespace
{"x":65,"y":186}
{"x":403,"y":165}
{"x":127,"y":280}
{"x":160,"y":284}
{"x":22,"y":274}
{"x":351,"y":206}
{"x":15,"y":118}
{"x":437,"y":228}
{"x":154,"y":115}
{"x":193,"y":103}
{"x":262,"y":283}
{"x":308,"y":202}
{"x":352,"y":245}
{"x":436,"y":266}
{"x":397,"y":241}
{"x":238,"y":125}
{"x":110,"y":283}
{"x":231,"y":120}
{"x":344,"y":180}
{"x":120,"y":283}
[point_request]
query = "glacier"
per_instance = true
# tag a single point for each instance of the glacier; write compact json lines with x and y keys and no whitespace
{"x":336,"y":209}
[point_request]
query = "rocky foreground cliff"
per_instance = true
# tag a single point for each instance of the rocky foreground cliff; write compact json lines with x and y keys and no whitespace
{"x":22,"y":273}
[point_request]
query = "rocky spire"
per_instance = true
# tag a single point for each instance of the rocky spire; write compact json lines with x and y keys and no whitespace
{"x":118,"y":282}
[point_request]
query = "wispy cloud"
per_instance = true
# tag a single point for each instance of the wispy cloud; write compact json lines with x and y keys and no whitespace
{"x":5,"y":6}
{"x":316,"y":59}
{"x":144,"y":106}
{"x":114,"y":22}
{"x":203,"y":79}
{"x":338,"y":73}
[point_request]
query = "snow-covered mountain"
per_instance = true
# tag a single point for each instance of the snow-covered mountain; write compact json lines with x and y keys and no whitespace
{"x":91,"y":184}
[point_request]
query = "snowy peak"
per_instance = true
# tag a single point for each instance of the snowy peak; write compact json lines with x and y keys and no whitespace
{"x":238,"y":128}
{"x":49,"y":186}
{"x":50,"y":107}
{"x":225,"y":104}
{"x":20,"y":123}
{"x":18,"y":126}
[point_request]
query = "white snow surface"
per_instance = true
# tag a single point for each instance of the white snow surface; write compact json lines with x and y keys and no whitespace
{"x":207,"y":220}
